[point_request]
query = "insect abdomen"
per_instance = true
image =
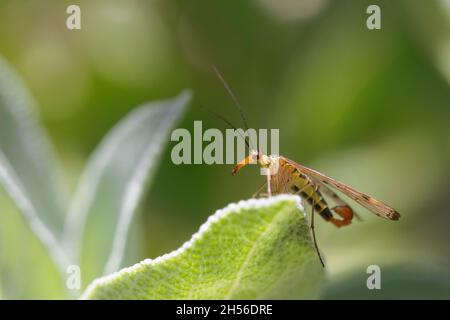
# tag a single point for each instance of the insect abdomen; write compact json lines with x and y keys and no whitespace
{"x":303,"y":187}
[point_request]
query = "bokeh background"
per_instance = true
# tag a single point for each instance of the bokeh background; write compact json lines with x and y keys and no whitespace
{"x":371,"y":108}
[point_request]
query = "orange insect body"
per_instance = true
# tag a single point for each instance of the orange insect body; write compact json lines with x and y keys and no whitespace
{"x":287,"y":176}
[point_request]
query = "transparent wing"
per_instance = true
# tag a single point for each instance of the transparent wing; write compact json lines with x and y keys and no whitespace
{"x":326,"y":190}
{"x":377,"y":207}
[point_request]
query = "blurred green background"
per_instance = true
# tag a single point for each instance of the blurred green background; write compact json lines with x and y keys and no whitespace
{"x":370,"y":108}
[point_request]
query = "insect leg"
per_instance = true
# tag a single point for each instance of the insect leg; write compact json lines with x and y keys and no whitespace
{"x":258,"y":192}
{"x":314,"y":232}
{"x":299,"y":191}
{"x":269,"y":192}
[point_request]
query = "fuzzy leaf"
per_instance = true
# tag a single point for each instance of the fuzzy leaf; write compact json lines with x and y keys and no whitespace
{"x":256,"y":249}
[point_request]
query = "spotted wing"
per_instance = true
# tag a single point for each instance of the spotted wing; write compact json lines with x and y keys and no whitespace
{"x":377,"y":207}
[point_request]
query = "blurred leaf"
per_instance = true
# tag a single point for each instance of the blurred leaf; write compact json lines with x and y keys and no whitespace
{"x":26,"y":269}
{"x":28,"y":168}
{"x":114,"y":182}
{"x":256,"y":249}
{"x":399,"y":281}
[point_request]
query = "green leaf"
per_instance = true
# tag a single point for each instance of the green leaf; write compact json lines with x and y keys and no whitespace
{"x":29,"y":171}
{"x":114,"y":182}
{"x":256,"y":249}
{"x":26,"y":269}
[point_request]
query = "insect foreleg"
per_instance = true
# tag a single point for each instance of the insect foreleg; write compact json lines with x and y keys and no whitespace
{"x":258,"y":192}
{"x":269,"y":192}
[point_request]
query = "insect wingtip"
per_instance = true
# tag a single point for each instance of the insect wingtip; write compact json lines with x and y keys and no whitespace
{"x":395,"y":216}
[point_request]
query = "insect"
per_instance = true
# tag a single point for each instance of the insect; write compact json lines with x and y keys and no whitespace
{"x":287,"y":176}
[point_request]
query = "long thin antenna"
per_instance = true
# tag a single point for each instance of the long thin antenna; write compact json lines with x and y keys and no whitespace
{"x":227,"y":122}
{"x":233,"y":97}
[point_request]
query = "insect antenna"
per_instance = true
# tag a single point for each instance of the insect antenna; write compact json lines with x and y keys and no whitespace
{"x":232,"y":95}
{"x":227,"y":123}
